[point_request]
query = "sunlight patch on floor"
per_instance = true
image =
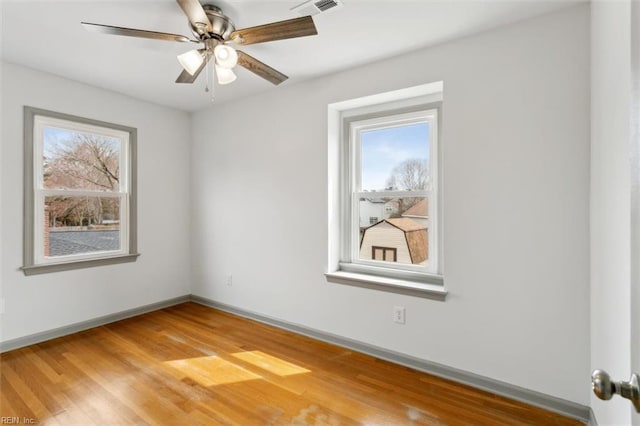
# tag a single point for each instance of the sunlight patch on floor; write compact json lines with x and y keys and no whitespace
{"x":422,"y":416}
{"x":212,"y":371}
{"x":270,"y":363}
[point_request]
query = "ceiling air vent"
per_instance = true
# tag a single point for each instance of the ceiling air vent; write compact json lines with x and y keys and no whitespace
{"x":313,"y":7}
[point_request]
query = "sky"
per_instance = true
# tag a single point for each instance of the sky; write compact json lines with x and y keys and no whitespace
{"x":384,"y":149}
{"x":53,"y":136}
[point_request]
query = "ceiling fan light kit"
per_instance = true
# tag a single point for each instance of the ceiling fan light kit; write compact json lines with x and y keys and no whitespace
{"x":226,"y":56}
{"x":191,"y":60}
{"x":225,"y":75}
{"x":215,"y":30}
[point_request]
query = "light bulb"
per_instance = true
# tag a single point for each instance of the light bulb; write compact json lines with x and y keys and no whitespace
{"x":191,"y":61}
{"x":226,"y":56}
{"x":225,"y":75}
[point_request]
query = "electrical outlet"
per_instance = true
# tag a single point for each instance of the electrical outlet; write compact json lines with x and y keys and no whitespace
{"x":229,"y":280}
{"x":399,"y":314}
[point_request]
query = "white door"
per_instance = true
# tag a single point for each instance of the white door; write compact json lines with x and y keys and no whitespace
{"x":635,"y":194}
{"x":615,"y":200}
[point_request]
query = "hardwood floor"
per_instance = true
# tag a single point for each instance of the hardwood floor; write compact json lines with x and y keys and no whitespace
{"x":192,"y":365}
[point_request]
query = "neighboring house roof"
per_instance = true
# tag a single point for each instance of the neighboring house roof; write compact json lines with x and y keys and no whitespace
{"x":419,"y":209}
{"x":406,"y":224}
{"x":415,"y":235}
{"x":380,"y":200}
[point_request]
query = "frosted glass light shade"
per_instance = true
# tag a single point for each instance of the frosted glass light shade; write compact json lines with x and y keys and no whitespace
{"x":226,"y":56}
{"x":225,"y":75}
{"x":191,"y":61}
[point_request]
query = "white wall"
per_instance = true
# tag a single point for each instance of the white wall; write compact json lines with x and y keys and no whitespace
{"x":516,"y":206}
{"x":44,"y":302}
{"x":610,"y":201}
{"x":1,"y":221}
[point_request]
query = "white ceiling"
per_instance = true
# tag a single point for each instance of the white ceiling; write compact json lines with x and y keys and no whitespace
{"x":47,"y":35}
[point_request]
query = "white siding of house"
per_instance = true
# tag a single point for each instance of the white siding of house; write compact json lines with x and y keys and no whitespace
{"x":369,"y":209}
{"x":380,"y":210}
{"x":385,"y":235}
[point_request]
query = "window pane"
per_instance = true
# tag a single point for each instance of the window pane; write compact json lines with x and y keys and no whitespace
{"x":75,"y":160}
{"x":401,"y":235}
{"x":78,"y":225}
{"x":395,"y":158}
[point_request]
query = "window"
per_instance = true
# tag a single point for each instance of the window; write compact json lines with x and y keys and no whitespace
{"x":391,"y":162}
{"x":79,"y":192}
{"x":385,"y":163}
{"x":387,"y":254}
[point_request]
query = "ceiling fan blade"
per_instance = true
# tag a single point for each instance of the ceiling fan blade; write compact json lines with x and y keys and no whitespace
{"x":185,"y":77}
{"x":260,"y":68}
{"x":291,"y":28}
{"x":196,"y":14}
{"x":132,"y":32}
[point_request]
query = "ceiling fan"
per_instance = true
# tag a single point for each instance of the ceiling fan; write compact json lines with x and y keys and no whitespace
{"x":216,"y":31}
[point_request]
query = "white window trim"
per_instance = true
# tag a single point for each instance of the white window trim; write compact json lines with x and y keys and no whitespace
{"x":411,"y":280}
{"x":35,"y":121}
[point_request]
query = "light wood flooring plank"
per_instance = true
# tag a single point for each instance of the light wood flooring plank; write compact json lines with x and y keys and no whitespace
{"x":190,"y":364}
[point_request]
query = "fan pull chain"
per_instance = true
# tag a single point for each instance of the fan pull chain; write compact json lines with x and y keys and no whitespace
{"x":213,"y":83}
{"x":210,"y":76}
{"x":206,"y":80}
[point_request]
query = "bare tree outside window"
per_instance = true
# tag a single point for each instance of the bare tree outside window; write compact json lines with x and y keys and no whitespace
{"x":83,"y":161}
{"x":410,"y":175}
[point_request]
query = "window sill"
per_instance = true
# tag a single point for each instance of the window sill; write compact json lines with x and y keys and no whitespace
{"x":67,"y":266}
{"x":392,"y":285}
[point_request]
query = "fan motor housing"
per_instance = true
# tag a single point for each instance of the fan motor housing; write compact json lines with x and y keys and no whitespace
{"x":221,"y":24}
